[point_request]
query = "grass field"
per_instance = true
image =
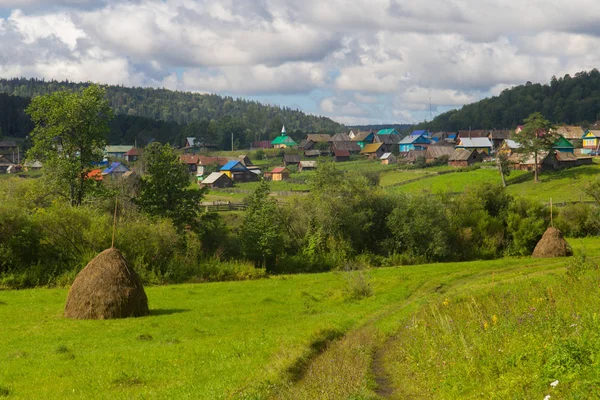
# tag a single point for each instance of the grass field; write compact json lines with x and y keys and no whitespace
{"x":255,"y":339}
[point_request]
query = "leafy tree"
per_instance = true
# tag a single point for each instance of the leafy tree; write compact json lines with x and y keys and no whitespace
{"x":164,"y":188}
{"x":261,"y":234}
{"x":535,"y":137}
{"x":69,"y":135}
{"x":503,"y":167}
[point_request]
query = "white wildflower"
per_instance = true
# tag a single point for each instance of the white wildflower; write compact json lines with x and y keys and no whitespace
{"x":547,"y":397}
{"x":553,"y":384}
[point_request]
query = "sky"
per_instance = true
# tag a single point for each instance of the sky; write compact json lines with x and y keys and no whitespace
{"x":357,"y":62}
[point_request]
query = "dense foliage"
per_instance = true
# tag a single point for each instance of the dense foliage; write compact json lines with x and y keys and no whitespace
{"x":249,"y":121}
{"x":568,"y":100}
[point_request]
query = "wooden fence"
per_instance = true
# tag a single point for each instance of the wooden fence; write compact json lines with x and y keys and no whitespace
{"x":224,"y":206}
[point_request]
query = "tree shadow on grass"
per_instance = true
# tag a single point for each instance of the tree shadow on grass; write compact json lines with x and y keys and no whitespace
{"x":167,"y":311}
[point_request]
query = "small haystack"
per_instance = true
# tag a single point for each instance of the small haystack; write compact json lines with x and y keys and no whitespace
{"x":552,"y":244}
{"x":107,"y":288}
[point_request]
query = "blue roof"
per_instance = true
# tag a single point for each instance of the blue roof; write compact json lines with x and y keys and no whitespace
{"x":112,"y":167}
{"x":418,"y":133}
{"x":234,"y":166}
{"x":415,"y":139}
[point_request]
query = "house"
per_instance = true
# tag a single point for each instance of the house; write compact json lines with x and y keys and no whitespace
{"x":116,"y":152}
{"x":481,"y":144}
{"x":341,"y":137}
{"x":244,"y":159}
{"x":193,"y":144}
{"x":238,"y":172}
{"x":217,"y":180}
{"x":420,"y":142}
{"x":35,"y":165}
{"x":388,"y":158}
{"x":364,"y":138}
{"x":498,"y":137}
{"x":439,"y":136}
{"x":133,"y":155}
{"x":412,"y":156}
{"x":205,"y":163}
{"x":191,"y":161}
{"x":283,"y":141}
{"x":307,"y":165}
{"x":508,"y":147}
{"x":373,"y":150}
{"x":421,"y":132}
{"x":115,"y":169}
{"x":390,"y":142}
{"x":437,"y":151}
{"x":591,"y":140}
{"x":280,"y":174}
{"x":312,"y":153}
{"x":341,"y":155}
{"x":291,"y":159}
{"x":570,"y":132}
{"x":526,"y":162}
{"x":319,"y":137}
{"x":350,"y":146}
{"x":464,"y":157}
{"x":563,"y":145}
{"x":306,"y":144}
{"x":388,"y":131}
{"x":10,"y":150}
{"x":470,"y":134}
{"x":519,"y":128}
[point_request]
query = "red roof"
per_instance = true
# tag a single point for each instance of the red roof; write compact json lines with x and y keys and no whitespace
{"x":204,"y":160}
{"x":95,"y":174}
{"x":341,"y":153}
{"x":189,"y":159}
{"x":279,"y":170}
{"x":134,"y":152}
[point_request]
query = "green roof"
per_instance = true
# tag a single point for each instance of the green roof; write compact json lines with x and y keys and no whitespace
{"x":389,"y":131}
{"x":284,"y":139}
{"x":562,"y":143}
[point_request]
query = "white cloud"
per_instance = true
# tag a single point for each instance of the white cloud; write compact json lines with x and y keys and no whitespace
{"x":365,"y":60}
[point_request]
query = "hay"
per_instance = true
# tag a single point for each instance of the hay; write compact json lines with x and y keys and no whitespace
{"x":552,"y":244}
{"x":107,"y":288}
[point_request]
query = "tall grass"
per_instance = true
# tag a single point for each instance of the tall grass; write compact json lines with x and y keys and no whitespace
{"x":506,"y":340}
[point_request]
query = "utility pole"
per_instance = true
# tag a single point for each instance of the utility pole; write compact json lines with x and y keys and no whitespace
{"x":231,"y":141}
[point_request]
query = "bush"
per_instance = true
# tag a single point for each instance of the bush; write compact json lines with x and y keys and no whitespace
{"x":578,"y":220}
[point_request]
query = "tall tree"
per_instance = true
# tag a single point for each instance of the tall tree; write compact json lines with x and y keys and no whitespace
{"x":164,"y":188}
{"x":535,"y":137}
{"x":69,"y":136}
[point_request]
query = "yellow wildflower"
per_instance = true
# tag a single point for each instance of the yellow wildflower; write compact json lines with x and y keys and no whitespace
{"x":445,"y":302}
{"x":485,"y":325}
{"x":494,"y":319}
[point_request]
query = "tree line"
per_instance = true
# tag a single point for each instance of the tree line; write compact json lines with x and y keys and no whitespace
{"x":210,"y":117}
{"x":571,"y":100}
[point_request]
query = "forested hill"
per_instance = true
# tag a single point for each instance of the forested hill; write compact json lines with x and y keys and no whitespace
{"x":209,"y":113}
{"x":572,"y":100}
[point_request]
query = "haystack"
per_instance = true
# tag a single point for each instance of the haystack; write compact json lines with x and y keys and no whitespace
{"x":552,"y":244}
{"x":107,"y":288}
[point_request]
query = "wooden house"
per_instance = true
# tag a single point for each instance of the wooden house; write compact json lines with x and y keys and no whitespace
{"x":133,"y":155}
{"x":116,"y":152}
{"x":388,"y":158}
{"x":364,"y":138}
{"x":291,"y":159}
{"x":306,"y":144}
{"x":193,"y":145}
{"x":238,"y":172}
{"x":526,"y":162}
{"x":591,"y":140}
{"x":350,"y":146}
{"x":341,"y":137}
{"x":498,"y":137}
{"x":319,"y":137}
{"x":217,"y":180}
{"x":508,"y":147}
{"x":570,"y":132}
{"x":115,"y":169}
{"x":390,"y":142}
{"x":312,"y":153}
{"x":35,"y":165}
{"x":412,"y":156}
{"x":341,"y":155}
{"x":307,"y":165}
{"x":419,"y":142}
{"x":464,"y":157}
{"x":471,"y":134}
{"x":191,"y":161}
{"x":373,"y":150}
{"x":280,"y":174}
{"x":10,"y":150}
{"x":481,"y":144}
{"x":437,"y":151}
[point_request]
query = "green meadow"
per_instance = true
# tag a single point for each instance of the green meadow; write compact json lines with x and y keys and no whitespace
{"x":332,"y":335}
